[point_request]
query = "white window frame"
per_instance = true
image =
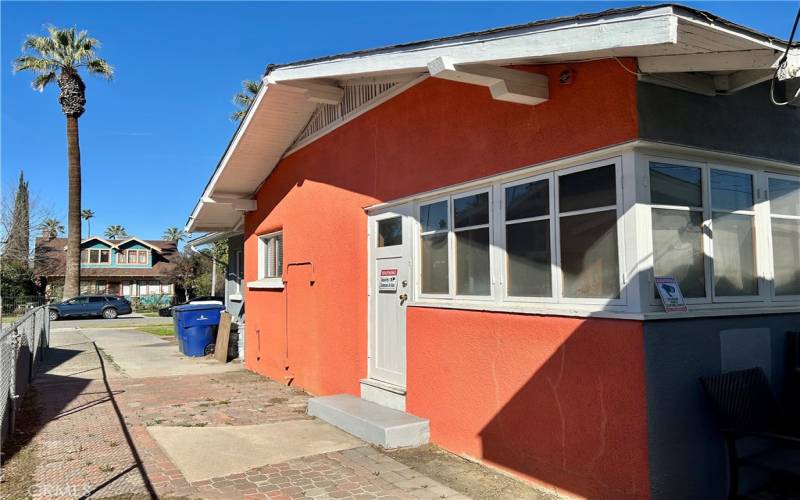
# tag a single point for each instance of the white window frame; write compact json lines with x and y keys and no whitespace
{"x":501,"y":240}
{"x":770,"y":278}
{"x":264,"y":279}
{"x":418,"y":248}
{"x":618,"y":208}
{"x":497,"y":255}
{"x":758,"y":259}
{"x":653,"y":300}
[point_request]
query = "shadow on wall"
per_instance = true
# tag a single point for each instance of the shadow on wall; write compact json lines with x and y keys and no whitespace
{"x":560,"y":401}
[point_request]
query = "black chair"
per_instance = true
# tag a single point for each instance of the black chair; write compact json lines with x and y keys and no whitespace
{"x":747,"y":408}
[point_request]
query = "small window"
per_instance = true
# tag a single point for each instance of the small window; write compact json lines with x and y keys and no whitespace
{"x":271,"y":256}
{"x":390,"y":232}
{"x":528,"y":267}
{"x":784,"y":208}
{"x":121,"y":258}
{"x":94,"y":256}
{"x":677,"y":193}
{"x":434,"y":250}
{"x":472,"y":238}
{"x":588,"y":234}
{"x":105,"y":256}
{"x":95,"y":300}
{"x":85,"y":256}
{"x":100,"y":286}
{"x":733,"y":232}
{"x":142,"y":256}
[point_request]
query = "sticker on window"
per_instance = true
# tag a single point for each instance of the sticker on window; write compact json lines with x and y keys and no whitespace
{"x":387,"y":281}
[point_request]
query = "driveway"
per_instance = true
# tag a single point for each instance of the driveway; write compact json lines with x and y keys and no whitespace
{"x":128,"y":320}
{"x":116,"y":413}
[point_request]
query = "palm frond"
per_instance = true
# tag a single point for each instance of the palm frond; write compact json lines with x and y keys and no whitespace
{"x":237,"y":116}
{"x":38,"y":65}
{"x":100,"y":67}
{"x":242,"y":99}
{"x":41,"y":81}
{"x":251,"y":86}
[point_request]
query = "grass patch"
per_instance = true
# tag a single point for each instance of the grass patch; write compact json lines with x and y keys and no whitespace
{"x":160,"y":330}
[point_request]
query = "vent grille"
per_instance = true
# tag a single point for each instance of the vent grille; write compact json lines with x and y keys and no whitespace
{"x":357,"y":94}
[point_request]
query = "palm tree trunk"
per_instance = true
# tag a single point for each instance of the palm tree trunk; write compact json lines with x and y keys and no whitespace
{"x":72,"y":278}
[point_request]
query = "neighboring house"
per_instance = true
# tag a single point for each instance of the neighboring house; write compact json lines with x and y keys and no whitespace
{"x":468,"y":229}
{"x":136,"y":268}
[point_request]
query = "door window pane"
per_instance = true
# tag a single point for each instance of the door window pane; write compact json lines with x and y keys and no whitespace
{"x":390,"y":232}
{"x":587,"y":189}
{"x":471,"y":210}
{"x":433,"y":217}
{"x":531,"y":199}
{"x":434,"y":264}
{"x":786,"y":256}
{"x":589,"y":257}
{"x":472,"y":262}
{"x":528,"y":251}
{"x":734,"y":255}
{"x":784,"y":196}
{"x":731,"y":190}
{"x":675,"y":185}
{"x":678,"y":249}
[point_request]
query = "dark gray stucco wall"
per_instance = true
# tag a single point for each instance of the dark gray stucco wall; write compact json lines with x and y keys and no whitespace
{"x":745,"y":122}
{"x":687,"y":453}
{"x":233,"y":279}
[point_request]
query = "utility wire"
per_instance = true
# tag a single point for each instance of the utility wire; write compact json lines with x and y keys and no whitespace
{"x":782,"y":64}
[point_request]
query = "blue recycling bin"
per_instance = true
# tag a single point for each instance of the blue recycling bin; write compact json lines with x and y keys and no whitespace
{"x":196,"y":326}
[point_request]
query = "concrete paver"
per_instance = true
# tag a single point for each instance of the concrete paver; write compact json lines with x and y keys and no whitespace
{"x":96,"y":434}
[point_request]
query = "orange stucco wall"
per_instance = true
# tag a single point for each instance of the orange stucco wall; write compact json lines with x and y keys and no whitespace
{"x":437,"y":133}
{"x":560,"y":401}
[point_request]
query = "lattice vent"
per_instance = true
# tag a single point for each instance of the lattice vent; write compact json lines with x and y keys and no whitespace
{"x":357,"y":94}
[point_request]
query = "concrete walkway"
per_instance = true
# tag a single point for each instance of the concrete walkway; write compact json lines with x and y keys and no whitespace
{"x":120,"y":415}
{"x":129,"y":320}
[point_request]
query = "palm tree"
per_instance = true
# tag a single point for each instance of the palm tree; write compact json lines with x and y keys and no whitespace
{"x":244,"y":99}
{"x":115,"y":231}
{"x":58,"y":57}
{"x":51,"y":228}
{"x":87,"y":214}
{"x":174,"y":234}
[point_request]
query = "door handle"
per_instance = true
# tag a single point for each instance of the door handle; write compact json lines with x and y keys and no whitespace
{"x":403,"y":297}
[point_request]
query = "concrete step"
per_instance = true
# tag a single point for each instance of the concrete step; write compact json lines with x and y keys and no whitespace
{"x":370,"y":421}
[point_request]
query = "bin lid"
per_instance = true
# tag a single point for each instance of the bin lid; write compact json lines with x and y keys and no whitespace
{"x":200,"y":307}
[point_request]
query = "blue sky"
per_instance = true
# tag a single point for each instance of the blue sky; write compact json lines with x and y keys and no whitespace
{"x":151,"y":138}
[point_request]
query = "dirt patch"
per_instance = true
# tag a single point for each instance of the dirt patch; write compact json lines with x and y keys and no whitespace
{"x":465,"y":476}
{"x":19,"y":458}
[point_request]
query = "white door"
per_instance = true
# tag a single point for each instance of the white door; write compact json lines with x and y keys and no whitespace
{"x":390,"y":287}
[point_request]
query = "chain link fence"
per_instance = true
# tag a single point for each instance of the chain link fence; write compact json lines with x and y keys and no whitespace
{"x":22,"y":346}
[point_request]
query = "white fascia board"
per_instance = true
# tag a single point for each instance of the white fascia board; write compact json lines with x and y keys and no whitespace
{"x":714,"y":61}
{"x":614,"y":34}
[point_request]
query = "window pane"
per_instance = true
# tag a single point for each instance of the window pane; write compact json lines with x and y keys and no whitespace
{"x":528,"y":250}
{"x":390,"y":232}
{"x":94,"y":256}
{"x":433,"y":217}
{"x":587,"y":189}
{"x":784,"y":196}
{"x":675,"y":185}
{"x":142,"y":256}
{"x":472,"y":262}
{"x":120,"y":257}
{"x":531,"y":199}
{"x":84,"y":256}
{"x":731,"y":190}
{"x":734,"y":255}
{"x":589,"y":257}
{"x":105,"y":256}
{"x":471,"y":210}
{"x":279,"y":256}
{"x":434,"y":264}
{"x":678,"y":249}
{"x":786,"y":256}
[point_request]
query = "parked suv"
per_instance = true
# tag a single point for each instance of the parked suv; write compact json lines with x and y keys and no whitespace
{"x":107,"y":306}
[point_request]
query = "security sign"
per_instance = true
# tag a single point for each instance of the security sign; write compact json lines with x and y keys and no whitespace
{"x":670,"y":294}
{"x":387,"y":281}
